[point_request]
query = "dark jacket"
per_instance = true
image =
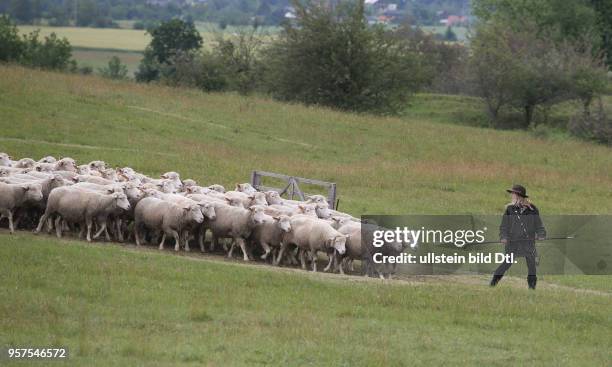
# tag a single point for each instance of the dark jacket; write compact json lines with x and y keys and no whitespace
{"x":520,"y":226}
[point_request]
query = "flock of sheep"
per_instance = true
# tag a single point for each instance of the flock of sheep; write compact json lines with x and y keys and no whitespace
{"x":124,"y":204}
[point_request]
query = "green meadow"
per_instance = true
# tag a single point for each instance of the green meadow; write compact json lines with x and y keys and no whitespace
{"x":113,"y":304}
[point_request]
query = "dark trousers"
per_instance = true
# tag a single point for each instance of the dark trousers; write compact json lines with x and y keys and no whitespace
{"x":531,"y":266}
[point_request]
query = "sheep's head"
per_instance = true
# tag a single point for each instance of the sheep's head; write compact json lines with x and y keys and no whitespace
{"x":25,"y":163}
{"x":217,"y":188}
{"x":5,"y":160}
{"x":33,"y":192}
{"x":194,"y":213}
{"x":121,"y":200}
{"x":307,"y":210}
{"x":273,"y":197}
{"x":208,"y":210}
{"x":258,"y":214}
{"x":322,"y":210}
{"x":283,"y":222}
{"x":97,"y":165}
{"x":66,"y":164}
{"x":48,"y":159}
{"x":258,"y":198}
{"x":339,"y":243}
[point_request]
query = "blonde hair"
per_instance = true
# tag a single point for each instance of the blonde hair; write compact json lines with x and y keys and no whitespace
{"x":521,"y":201}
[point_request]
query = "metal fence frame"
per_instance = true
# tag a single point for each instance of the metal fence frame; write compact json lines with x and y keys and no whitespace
{"x":292,"y":189}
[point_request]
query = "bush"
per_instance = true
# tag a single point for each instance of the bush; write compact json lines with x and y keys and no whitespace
{"x":205,"y":71}
{"x":11,"y":47}
{"x":115,"y":69}
{"x":85,"y":70}
{"x":596,"y":125}
{"x":53,"y":53}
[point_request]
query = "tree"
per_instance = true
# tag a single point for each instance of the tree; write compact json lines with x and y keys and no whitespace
{"x":115,"y":69}
{"x":11,"y":47}
{"x":560,"y":20}
{"x":22,"y":10}
{"x":171,"y":37}
{"x":333,"y":57}
{"x":524,"y":70}
{"x":603,"y":8}
{"x":239,"y":55}
{"x":449,"y":35}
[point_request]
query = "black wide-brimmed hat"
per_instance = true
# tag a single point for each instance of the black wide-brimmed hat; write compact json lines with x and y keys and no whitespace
{"x":519,"y":190}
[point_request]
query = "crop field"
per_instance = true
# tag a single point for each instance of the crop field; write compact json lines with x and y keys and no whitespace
{"x":97,"y":58}
{"x":114,"y":304}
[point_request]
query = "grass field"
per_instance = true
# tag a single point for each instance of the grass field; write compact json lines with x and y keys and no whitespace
{"x":123,"y":307}
{"x":114,"y":305}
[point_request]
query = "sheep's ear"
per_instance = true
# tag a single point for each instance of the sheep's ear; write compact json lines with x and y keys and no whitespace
{"x":110,"y":191}
{"x":26,"y":188}
{"x":276,"y":217}
{"x":228,"y":200}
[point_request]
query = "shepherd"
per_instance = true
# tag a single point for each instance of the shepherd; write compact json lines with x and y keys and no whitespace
{"x":521,"y":226}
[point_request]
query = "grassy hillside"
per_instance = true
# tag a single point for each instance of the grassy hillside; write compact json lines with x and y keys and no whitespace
{"x":381,"y":164}
{"x":122,"y":307}
{"x":111,"y":304}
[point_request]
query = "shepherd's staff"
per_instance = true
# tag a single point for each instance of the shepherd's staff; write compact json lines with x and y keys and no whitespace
{"x":498,"y":241}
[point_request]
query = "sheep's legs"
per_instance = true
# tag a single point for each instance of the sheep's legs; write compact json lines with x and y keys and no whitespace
{"x":331,"y":260}
{"x":161,"y":243}
{"x":280,"y":254}
{"x":41,"y":222}
{"x":242,"y":244}
{"x":177,"y":240}
{"x":303,"y":259}
{"x":89,"y":223}
{"x":314,"y":260}
{"x":231,"y":250}
{"x":186,"y":236}
{"x":58,"y":227}
{"x":267,"y":249}
{"x":136,"y":235}
{"x":102,"y":229}
{"x":9,"y":215}
{"x":214,"y":242}
{"x":119,"y":231}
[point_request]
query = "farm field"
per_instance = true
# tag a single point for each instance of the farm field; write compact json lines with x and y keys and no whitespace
{"x":95,"y":46}
{"x":114,"y":304}
{"x":104,"y":38}
{"x":99,"y":58}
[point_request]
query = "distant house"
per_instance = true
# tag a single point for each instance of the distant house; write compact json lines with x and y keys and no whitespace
{"x":454,"y":20}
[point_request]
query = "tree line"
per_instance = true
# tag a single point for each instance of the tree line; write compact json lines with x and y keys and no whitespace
{"x":523,"y":58}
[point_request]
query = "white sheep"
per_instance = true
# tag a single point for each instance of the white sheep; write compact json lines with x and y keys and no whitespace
{"x":13,"y":196}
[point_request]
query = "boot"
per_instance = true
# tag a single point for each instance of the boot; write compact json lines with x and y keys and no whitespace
{"x":531,"y":281}
{"x":495,"y":280}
